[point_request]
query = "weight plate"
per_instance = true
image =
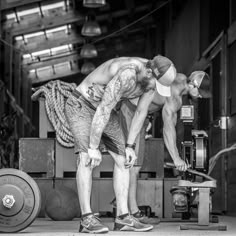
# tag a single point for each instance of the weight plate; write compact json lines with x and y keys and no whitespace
{"x":25,"y":194}
{"x":9,"y":190}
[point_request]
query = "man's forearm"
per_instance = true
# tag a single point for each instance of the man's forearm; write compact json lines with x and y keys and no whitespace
{"x":136,"y":126}
{"x":169,"y":134}
{"x":99,"y":123}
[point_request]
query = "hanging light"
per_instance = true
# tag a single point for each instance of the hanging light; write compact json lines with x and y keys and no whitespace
{"x":88,"y":51}
{"x":87,"y":68}
{"x":91,"y":28}
{"x":94,"y":3}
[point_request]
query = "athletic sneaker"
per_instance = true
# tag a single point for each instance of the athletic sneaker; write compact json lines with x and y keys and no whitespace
{"x":129,"y":223}
{"x":141,"y":217}
{"x":92,"y":224}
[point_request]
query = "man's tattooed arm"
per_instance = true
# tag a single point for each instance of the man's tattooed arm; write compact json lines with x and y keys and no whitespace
{"x":122,"y":82}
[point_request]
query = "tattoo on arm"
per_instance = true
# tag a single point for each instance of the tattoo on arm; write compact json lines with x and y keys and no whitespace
{"x":120,"y":84}
{"x":95,"y":92}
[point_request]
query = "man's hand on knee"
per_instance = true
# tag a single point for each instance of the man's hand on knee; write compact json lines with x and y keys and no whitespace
{"x":94,"y":158}
{"x":130,"y":157}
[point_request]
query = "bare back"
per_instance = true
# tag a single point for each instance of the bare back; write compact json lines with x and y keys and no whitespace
{"x":172,"y":103}
{"x":94,"y":85}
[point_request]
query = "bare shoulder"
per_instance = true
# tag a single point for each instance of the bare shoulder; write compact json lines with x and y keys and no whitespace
{"x":174,"y":102}
{"x":180,"y":77}
{"x":125,"y":63}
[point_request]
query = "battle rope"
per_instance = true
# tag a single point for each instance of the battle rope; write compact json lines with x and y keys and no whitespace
{"x":55,"y":94}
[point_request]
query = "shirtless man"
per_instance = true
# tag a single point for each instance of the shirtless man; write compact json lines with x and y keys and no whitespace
{"x":91,"y":116}
{"x":197,"y":85}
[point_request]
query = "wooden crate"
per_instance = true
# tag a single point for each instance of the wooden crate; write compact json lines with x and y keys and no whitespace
{"x":37,"y":156}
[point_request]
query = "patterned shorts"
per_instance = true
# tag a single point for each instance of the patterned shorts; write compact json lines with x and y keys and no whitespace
{"x":79,"y":113}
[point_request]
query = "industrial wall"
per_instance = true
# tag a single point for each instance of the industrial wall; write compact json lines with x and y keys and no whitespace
{"x":182,"y":38}
{"x":231,"y":174}
{"x":202,"y":37}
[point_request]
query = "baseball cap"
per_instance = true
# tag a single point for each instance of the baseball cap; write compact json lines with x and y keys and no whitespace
{"x":165,"y":72}
{"x":202,"y":81}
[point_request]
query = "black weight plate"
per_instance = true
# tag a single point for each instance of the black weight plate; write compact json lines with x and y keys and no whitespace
{"x":27,"y":200}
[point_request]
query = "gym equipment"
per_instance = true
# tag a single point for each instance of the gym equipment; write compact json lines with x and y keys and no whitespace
{"x":195,"y":188}
{"x":20,"y":200}
{"x":195,"y":149}
{"x":62,"y":204}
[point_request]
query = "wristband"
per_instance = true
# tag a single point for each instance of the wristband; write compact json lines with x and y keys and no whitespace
{"x":93,"y":148}
{"x":130,"y":145}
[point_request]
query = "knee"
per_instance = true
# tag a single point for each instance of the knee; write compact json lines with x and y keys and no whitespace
{"x":81,"y":160}
{"x":120,"y":161}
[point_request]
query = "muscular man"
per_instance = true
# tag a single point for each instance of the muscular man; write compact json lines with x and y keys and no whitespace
{"x":197,"y":85}
{"x":91,"y":116}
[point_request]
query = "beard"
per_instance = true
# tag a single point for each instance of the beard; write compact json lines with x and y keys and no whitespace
{"x":144,"y":83}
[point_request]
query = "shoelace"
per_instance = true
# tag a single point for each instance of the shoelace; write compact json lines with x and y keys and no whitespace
{"x":94,"y":219}
{"x":133,"y":218}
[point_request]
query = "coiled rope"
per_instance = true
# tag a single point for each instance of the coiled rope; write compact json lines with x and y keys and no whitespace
{"x":55,"y":94}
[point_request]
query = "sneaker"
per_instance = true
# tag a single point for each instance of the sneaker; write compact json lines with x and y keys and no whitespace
{"x":129,"y":223}
{"x":92,"y":224}
{"x":141,"y":217}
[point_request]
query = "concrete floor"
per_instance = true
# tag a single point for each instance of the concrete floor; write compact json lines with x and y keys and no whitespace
{"x":48,"y":227}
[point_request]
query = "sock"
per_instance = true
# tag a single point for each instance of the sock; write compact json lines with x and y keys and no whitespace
{"x":87,"y":214}
{"x":123,"y":216}
{"x":136,"y":213}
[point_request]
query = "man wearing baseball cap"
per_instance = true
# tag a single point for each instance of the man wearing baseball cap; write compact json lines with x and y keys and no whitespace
{"x":91,"y":115}
{"x":195,"y":86}
{"x":164,"y":71}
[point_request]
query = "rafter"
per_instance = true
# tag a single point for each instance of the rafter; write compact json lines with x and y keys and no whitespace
{"x":55,"y":20}
{"x":51,"y":61}
{"x":72,"y":38}
{"x":35,"y":81}
{"x":17,"y":3}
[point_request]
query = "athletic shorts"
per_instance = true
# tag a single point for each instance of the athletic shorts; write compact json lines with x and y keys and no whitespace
{"x":127,"y":110}
{"x":79,"y":114}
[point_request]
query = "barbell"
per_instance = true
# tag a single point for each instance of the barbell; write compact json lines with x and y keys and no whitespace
{"x":20,"y":200}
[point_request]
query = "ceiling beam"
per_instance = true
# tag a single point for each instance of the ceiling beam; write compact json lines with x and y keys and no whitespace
{"x":6,"y":4}
{"x":51,"y":61}
{"x":72,"y":38}
{"x":36,"y":81}
{"x":55,"y":20}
